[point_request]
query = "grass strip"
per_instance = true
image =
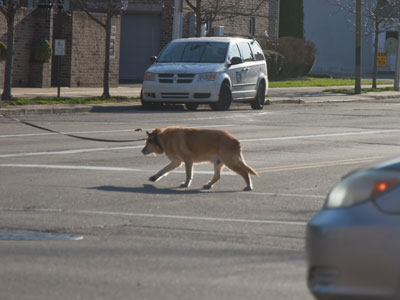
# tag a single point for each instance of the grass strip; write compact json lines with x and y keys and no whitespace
{"x":65,"y":100}
{"x":319,"y":82}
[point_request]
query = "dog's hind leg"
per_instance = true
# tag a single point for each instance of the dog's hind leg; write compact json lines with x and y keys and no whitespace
{"x":240,"y":168}
{"x":218,"y":165}
{"x":164,"y":171}
{"x":189,"y":174}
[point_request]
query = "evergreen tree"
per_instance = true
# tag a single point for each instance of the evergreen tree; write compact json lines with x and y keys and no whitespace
{"x":291,"y":18}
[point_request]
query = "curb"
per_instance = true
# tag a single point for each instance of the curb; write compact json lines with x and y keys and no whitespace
{"x":65,"y":109}
{"x":129,"y":106}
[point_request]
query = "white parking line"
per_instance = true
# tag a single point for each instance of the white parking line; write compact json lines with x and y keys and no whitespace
{"x":372,"y":132}
{"x":325,"y":135}
{"x":194,"y":218}
{"x":62,"y":152}
{"x":101,"y":168}
{"x":97,"y":131}
{"x":165,"y":216}
{"x":321,"y":164}
{"x":71,"y":167}
{"x":288,"y":195}
{"x":69,"y":132}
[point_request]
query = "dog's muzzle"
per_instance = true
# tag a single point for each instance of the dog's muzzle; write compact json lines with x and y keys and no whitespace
{"x":146,"y":151}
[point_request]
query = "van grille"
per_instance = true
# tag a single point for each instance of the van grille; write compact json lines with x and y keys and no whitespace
{"x":169,"y":78}
{"x":175,"y":95}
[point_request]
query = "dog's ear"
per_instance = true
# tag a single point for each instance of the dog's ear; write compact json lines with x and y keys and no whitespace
{"x":148,"y":133}
{"x":157,"y":131}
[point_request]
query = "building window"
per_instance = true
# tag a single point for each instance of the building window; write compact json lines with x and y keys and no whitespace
{"x":252,"y":26}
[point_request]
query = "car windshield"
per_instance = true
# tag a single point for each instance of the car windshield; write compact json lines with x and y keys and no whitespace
{"x":198,"y":52}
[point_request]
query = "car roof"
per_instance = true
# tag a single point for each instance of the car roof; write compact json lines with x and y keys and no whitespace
{"x":212,"y":39}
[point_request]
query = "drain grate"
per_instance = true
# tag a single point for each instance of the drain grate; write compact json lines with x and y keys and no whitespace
{"x":38,"y":236}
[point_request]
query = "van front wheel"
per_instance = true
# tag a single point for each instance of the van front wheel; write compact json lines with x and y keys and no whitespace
{"x":224,"y":99}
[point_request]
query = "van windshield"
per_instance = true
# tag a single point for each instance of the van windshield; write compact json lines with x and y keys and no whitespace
{"x":198,"y":52}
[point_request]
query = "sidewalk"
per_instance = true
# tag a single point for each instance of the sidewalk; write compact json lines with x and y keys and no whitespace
{"x":307,"y":95}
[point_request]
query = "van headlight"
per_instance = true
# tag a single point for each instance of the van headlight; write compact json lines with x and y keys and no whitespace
{"x":149,"y":76}
{"x":207,"y":77}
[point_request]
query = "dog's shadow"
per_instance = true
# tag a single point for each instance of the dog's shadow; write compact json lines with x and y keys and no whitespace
{"x":151,"y":189}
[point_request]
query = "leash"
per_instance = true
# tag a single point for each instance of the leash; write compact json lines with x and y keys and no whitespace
{"x":72,"y":135}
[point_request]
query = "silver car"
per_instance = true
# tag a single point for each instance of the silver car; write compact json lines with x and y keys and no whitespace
{"x":353,"y":243}
{"x":211,"y":71}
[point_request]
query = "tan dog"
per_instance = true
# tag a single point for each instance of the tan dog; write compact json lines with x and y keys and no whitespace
{"x":191,"y":145}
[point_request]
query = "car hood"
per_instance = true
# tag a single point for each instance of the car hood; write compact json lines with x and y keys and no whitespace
{"x":186,"y":68}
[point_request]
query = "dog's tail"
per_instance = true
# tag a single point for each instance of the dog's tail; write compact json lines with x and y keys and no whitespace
{"x":245,"y":167}
{"x":250,"y":170}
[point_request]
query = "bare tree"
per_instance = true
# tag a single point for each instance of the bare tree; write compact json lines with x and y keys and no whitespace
{"x":9,"y":13}
{"x":110,"y":8}
{"x":378,"y":16}
{"x":217,"y":10}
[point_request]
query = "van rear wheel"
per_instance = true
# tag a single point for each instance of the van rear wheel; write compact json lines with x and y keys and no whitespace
{"x":259,"y":100}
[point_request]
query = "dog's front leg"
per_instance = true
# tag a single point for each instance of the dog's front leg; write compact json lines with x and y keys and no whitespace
{"x":189,"y":174}
{"x":218,"y":165}
{"x":164,"y":171}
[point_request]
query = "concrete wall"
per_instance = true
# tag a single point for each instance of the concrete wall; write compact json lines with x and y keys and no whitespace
{"x":333,"y":33}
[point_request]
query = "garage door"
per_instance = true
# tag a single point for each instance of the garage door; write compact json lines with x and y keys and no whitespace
{"x":140,"y":39}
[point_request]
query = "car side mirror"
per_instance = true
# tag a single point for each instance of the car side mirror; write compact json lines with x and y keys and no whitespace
{"x":153,"y":59}
{"x":236,"y":60}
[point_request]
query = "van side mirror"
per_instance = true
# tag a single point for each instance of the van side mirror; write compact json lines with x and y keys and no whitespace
{"x":153,"y":59}
{"x":236,"y":60}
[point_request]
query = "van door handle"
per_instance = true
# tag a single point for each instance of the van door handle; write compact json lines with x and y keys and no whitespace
{"x":245,"y":69}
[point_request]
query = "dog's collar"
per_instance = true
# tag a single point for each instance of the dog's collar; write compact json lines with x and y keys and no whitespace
{"x":157,"y":142}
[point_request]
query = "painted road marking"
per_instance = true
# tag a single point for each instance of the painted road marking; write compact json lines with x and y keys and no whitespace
{"x":165,"y":216}
{"x":243,"y":141}
{"x":94,"y":131}
{"x":62,"y":152}
{"x":319,"y":164}
{"x":100,"y":168}
{"x":325,"y":135}
{"x":322,"y":164}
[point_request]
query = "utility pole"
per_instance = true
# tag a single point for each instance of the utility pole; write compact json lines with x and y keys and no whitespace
{"x":357,"y":88}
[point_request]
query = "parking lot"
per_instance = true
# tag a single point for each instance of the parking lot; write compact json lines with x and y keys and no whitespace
{"x":134,"y":239}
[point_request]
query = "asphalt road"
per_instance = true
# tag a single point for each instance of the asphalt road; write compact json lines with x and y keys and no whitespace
{"x":133,"y":239}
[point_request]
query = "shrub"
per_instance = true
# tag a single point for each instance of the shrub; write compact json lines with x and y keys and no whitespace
{"x":299,"y":55}
{"x":274,"y":64}
{"x":42,"y":51}
{"x":3,"y":51}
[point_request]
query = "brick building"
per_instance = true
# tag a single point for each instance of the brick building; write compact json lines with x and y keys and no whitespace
{"x":139,"y":33}
{"x":83,"y":62}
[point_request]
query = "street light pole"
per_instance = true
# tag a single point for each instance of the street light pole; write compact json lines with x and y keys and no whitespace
{"x":357,"y":88}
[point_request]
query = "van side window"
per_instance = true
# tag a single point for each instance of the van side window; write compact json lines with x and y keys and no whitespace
{"x":245,"y":51}
{"x":233,"y":52}
{"x":257,"y":51}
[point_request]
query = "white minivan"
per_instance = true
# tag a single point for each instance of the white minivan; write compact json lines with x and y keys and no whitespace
{"x":212,"y":70}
